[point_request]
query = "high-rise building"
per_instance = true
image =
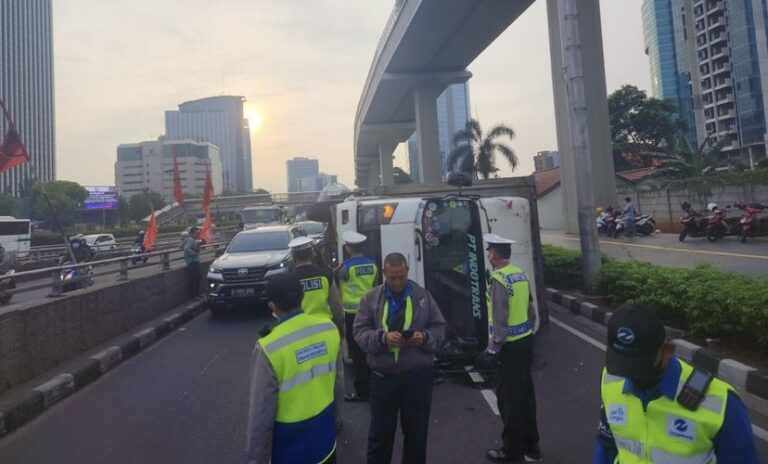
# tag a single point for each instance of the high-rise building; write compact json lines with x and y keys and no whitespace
{"x":300,"y":167}
{"x":666,"y":44}
{"x":220,"y":121}
{"x":546,"y":160}
{"x":452,"y":116}
{"x":26,"y":87}
{"x":721,"y":67}
{"x":316,"y":183}
{"x":149,"y":166}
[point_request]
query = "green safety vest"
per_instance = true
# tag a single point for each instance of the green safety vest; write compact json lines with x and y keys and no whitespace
{"x":665,"y":431}
{"x":516,"y":282}
{"x":303,"y":352}
{"x":406,"y":324}
{"x":361,"y":279}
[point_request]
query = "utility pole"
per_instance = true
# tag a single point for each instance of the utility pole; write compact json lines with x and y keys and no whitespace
{"x":580,"y":138}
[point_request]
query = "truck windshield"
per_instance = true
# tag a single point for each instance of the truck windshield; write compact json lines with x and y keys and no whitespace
{"x":260,"y":241}
{"x":454,"y":271}
{"x":251,"y":216}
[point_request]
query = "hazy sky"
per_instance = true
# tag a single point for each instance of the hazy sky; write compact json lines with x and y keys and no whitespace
{"x":300,"y":63}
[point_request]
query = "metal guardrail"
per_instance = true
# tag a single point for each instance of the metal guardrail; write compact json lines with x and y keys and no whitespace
{"x":89,"y":270}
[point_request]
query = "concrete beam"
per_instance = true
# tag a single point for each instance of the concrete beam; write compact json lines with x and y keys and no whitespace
{"x":425,"y":96}
{"x":386,"y":149}
{"x":434,"y":77}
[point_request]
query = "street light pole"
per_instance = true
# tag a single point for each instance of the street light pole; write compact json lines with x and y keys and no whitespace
{"x":580,"y":138}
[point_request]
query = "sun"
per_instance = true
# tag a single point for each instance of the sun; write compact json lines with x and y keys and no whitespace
{"x":255,"y":119}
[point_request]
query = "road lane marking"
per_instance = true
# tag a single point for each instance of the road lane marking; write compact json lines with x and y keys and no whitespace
{"x":757,"y":431}
{"x":679,"y":250}
{"x":489,"y":395}
{"x":210,"y":363}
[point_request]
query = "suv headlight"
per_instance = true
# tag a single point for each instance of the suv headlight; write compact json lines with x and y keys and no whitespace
{"x":215,"y":271}
{"x":278,"y":268}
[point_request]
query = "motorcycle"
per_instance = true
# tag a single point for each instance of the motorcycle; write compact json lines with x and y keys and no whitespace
{"x":7,"y":283}
{"x":719,"y":225}
{"x":138,"y":254}
{"x":644,"y":224}
{"x":75,"y":278}
{"x":602,"y":220}
{"x":749,"y":222}
{"x":693,"y":224}
{"x":611,"y":222}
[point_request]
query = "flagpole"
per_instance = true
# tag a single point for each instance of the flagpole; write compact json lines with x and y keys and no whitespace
{"x":36,"y":176}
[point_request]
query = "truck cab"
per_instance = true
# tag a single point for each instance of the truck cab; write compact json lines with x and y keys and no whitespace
{"x":256,"y":216}
{"x":442,"y":239}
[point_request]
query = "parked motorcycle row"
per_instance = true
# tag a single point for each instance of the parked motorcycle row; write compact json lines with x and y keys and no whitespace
{"x":716,"y":225}
{"x":613,"y":224}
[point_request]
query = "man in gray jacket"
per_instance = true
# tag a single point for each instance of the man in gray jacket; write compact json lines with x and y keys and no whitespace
{"x":399,"y":326}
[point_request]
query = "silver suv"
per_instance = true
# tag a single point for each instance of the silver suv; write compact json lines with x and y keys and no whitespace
{"x":240,"y":274}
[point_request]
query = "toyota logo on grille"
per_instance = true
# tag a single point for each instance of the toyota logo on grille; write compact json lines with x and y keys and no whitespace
{"x":242,"y":272}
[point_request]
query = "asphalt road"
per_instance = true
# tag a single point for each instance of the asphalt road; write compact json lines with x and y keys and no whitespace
{"x":729,"y":254}
{"x":184,"y":400}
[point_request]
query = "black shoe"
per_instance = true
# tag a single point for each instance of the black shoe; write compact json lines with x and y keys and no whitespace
{"x":533,"y":455}
{"x":355,"y":397}
{"x":497,"y":455}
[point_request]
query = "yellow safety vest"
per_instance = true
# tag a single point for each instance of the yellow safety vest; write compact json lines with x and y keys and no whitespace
{"x":406,"y":325}
{"x":664,"y":431}
{"x":303,"y":352}
{"x":316,"y":283}
{"x":516,"y":282}
{"x":361,"y":278}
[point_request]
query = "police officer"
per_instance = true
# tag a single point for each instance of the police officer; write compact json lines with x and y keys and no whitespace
{"x":356,"y":276}
{"x":293,"y":392}
{"x":657,"y":408}
{"x":510,"y":349}
{"x":321,"y":296}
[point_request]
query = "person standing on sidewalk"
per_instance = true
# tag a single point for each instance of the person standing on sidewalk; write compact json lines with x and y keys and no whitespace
{"x":356,"y":276}
{"x":399,"y":326}
{"x":192,"y":259}
{"x":629,"y":215}
{"x":294,"y":395}
{"x":657,"y":408}
{"x":510,"y":350}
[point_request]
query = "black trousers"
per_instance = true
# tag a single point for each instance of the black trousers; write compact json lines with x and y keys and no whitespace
{"x":360,"y":369}
{"x":516,"y":398}
{"x":193,"y":279}
{"x":410,"y":395}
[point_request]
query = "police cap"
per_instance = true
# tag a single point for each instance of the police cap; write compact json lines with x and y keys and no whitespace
{"x":493,"y":240}
{"x":353,"y":238}
{"x":300,"y":243}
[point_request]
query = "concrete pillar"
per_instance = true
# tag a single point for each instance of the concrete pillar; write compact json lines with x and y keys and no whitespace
{"x":386,"y":149}
{"x":374,"y":176}
{"x":603,"y":174}
{"x":429,"y":140}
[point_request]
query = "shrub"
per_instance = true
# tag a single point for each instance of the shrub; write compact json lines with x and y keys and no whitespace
{"x":562,"y":267}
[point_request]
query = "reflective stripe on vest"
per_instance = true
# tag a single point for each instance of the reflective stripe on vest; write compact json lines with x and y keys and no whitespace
{"x":303,"y":352}
{"x":361,"y":279}
{"x":406,"y":325}
{"x":516,"y":282}
{"x":665,"y":432}
{"x":317,"y":296}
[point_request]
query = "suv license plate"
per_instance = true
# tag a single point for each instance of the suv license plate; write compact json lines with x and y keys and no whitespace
{"x":243,"y":291}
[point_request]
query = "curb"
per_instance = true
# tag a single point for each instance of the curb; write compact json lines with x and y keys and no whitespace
{"x":734,"y":372}
{"x":29,"y":404}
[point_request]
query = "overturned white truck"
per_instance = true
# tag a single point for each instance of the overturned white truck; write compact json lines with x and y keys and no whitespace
{"x":442,"y":239}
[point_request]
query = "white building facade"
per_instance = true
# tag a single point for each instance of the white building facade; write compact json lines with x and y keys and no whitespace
{"x":149,"y":166}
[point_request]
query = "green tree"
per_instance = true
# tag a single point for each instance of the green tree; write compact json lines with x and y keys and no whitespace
{"x":641,"y":126}
{"x":8,"y":205}
{"x":139,"y":204}
{"x":65,"y":197}
{"x":261,"y":191}
{"x":401,"y":177}
{"x":685,"y":162}
{"x":123,"y":210}
{"x":477,"y":154}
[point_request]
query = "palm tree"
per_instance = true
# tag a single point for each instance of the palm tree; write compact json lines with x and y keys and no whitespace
{"x":476,"y":154}
{"x":685,"y":162}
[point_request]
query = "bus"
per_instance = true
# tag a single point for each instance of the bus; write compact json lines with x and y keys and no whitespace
{"x":15,"y":234}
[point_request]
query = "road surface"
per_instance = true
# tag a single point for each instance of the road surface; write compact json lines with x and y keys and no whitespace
{"x":749,"y":258}
{"x":184,"y":400}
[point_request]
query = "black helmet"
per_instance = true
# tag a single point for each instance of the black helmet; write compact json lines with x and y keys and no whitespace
{"x":686,"y":206}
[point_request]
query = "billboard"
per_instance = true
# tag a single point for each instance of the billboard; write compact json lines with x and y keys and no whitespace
{"x":101,"y":198}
